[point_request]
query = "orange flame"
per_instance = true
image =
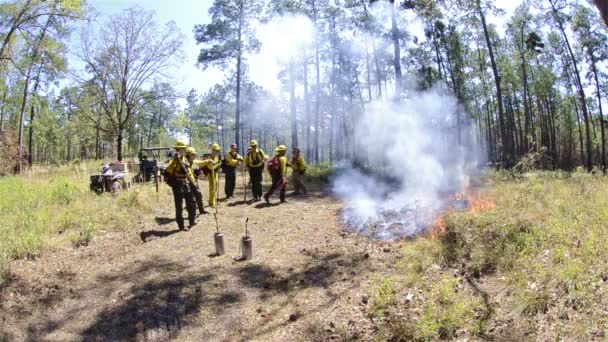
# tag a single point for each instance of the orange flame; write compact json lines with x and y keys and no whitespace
{"x":439,"y":228}
{"x":475,"y":203}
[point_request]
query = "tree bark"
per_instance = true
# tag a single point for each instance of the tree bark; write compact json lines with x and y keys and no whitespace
{"x":501,"y":120}
{"x":307,"y":131}
{"x":30,"y":160}
{"x":317,"y":89}
{"x":397,"y":52}
{"x":599,"y":102}
{"x":237,"y":137}
{"x":525,"y":85}
{"x":579,"y":85}
{"x":292,"y":104}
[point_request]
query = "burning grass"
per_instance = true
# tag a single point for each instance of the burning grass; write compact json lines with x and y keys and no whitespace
{"x":531,"y":265}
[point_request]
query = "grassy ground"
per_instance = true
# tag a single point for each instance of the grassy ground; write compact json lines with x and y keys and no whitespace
{"x":52,"y":207}
{"x":531,"y":268}
{"x":534,"y":268}
{"x":147,"y":281}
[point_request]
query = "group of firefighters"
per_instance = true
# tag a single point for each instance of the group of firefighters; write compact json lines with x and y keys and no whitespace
{"x":183,"y":171}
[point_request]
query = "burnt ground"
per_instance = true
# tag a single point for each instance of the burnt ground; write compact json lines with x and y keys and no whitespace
{"x":308,"y":280}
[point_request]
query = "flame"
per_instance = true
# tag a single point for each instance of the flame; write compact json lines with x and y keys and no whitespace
{"x":439,"y":227}
{"x":477,"y":204}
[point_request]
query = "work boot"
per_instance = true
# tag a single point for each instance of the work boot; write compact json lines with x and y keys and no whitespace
{"x":267,"y":199}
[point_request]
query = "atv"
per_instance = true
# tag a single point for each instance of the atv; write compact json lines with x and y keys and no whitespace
{"x":113,"y":178}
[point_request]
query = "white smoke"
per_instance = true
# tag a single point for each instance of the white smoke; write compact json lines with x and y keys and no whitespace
{"x":282,"y":39}
{"x":411,"y":149}
{"x":414,"y":158}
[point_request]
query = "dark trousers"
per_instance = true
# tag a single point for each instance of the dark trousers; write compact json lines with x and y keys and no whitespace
{"x":256,"y":176}
{"x":230,"y":183}
{"x":181,"y":192}
{"x":198,"y":197}
{"x":277,"y":185}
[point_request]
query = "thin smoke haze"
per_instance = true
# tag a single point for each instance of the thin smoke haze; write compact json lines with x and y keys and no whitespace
{"x":411,"y":149}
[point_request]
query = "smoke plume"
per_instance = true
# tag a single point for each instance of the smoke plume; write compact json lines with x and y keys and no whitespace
{"x":413,"y":161}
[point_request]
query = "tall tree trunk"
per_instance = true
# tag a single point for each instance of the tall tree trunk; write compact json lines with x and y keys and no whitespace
{"x":119,"y":144}
{"x":30,"y":159}
{"x":292,"y":104}
{"x":599,"y":103}
{"x":579,"y":85}
{"x":369,"y":71}
{"x":97,"y":147}
{"x":34,"y":56}
{"x":237,"y":123}
{"x":525,"y":86}
{"x":2,"y":108}
{"x":397,"y":51}
{"x":317,"y":96}
{"x":333,"y":89}
{"x":308,"y":133}
{"x":501,"y":120}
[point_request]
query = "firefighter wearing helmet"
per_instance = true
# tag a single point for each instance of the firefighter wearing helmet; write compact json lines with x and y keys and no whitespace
{"x":214,"y":176}
{"x":254,"y":160}
{"x":298,"y":165}
{"x":277,"y":167}
{"x":232,"y":160}
{"x":194,"y":188}
{"x":178,"y":175}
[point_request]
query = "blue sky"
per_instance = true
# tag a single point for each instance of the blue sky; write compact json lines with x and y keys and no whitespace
{"x":187,"y":13}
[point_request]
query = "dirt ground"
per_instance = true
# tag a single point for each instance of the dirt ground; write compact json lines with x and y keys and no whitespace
{"x":308,"y":280}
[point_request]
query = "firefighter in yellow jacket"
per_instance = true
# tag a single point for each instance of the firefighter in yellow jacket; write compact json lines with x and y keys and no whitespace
{"x":277,"y":167}
{"x":298,"y":165}
{"x":214,"y":176}
{"x":210,"y":167}
{"x":232,"y":160}
{"x":178,"y":175}
{"x":196,"y":170}
{"x":254,"y":160}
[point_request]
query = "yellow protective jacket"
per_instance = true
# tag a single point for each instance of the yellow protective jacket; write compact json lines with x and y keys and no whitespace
{"x":298,"y":164}
{"x":210,"y":164}
{"x":283,"y":165}
{"x":233,"y":159}
{"x":175,"y":169}
{"x":253,"y":160}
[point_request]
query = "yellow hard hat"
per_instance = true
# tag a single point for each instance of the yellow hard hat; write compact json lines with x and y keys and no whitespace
{"x":180,"y":144}
{"x":190,"y":150}
{"x":215,"y":147}
{"x":253,"y":143}
{"x":281,"y":148}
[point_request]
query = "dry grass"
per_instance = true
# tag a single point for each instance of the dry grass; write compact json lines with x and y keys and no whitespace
{"x":533,"y":268}
{"x":52,"y":206}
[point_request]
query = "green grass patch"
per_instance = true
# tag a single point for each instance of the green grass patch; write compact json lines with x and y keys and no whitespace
{"x":545,"y":244}
{"x":55,"y":204}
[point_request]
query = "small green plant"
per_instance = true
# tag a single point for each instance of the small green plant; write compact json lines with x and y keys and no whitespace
{"x":4,"y":267}
{"x":383,"y":296}
{"x":83,"y":236}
